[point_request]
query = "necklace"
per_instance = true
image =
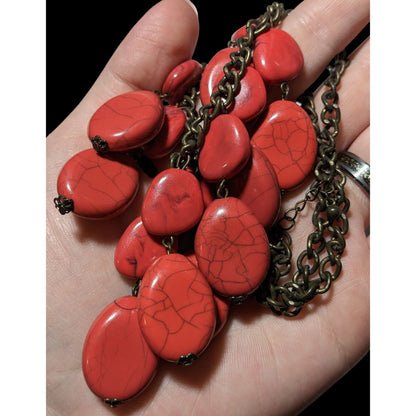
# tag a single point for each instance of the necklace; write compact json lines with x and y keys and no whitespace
{"x":226,"y":160}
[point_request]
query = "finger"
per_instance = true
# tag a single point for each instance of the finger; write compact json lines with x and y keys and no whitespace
{"x":360,"y":199}
{"x":322,"y":29}
{"x":150,"y":50}
{"x":354,"y":98}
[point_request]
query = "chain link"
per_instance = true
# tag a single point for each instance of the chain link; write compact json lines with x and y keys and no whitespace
{"x":326,"y":244}
{"x":198,"y":122}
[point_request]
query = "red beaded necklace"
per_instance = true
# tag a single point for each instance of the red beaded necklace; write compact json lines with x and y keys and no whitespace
{"x":230,"y":161}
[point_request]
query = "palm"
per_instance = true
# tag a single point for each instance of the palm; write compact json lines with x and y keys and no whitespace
{"x":263,"y":364}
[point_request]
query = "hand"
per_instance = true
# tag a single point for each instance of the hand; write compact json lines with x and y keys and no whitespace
{"x":259,"y":364}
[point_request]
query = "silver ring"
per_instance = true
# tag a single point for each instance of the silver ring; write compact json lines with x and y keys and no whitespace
{"x":356,"y":168}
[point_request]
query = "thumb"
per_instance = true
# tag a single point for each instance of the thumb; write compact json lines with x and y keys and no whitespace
{"x":164,"y":37}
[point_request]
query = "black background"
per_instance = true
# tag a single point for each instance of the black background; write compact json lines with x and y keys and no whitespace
{"x":81,"y":37}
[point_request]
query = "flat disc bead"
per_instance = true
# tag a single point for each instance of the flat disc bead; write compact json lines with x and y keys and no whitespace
{"x":256,"y":184}
{"x":169,"y":136}
{"x":226,"y":148}
{"x":173,"y":203}
{"x":181,"y":79}
{"x":232,"y":248}
{"x":222,"y":305}
{"x":276,"y":56}
{"x":100,"y":187}
{"x":250,"y":98}
{"x":137,"y":250}
{"x":128,"y":120}
{"x":287,"y":138}
{"x":116,"y":360}
{"x":176,"y":308}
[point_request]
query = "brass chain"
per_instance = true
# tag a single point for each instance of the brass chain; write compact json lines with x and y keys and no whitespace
{"x":330,"y":214}
{"x":326,"y":244}
{"x":198,"y":121}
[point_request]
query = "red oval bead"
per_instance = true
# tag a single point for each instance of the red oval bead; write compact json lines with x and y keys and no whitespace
{"x":116,"y":361}
{"x":222,"y":305}
{"x":226,"y":148}
{"x":250,"y":98}
{"x":100,"y":186}
{"x":173,"y":203}
{"x":182,"y":78}
{"x":137,"y":250}
{"x":232,"y":248}
{"x":256,"y":184}
{"x":128,"y":120}
{"x":287,"y":138}
{"x":176,"y":308}
{"x":169,"y":136}
{"x":277,"y":56}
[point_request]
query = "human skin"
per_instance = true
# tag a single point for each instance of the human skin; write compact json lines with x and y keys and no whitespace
{"x":259,"y":364}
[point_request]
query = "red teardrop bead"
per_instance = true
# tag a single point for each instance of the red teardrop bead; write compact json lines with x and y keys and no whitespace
{"x":232,"y":248}
{"x":255,"y":185}
{"x":173,"y":203}
{"x":250,"y":98}
{"x":222,"y":305}
{"x":176,"y":308}
{"x":277,"y":56}
{"x":213,"y":72}
{"x":287,"y":138}
{"x":100,"y":186}
{"x":128,"y":120}
{"x":137,"y":250}
{"x":226,"y":148}
{"x":239,"y":33}
{"x":182,"y":78}
{"x":116,"y":361}
{"x":169,"y":136}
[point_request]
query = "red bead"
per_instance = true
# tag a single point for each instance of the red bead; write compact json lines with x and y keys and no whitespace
{"x":128,"y":120}
{"x":232,"y":248}
{"x":169,"y":136}
{"x":116,"y":361}
{"x":256,"y":184}
{"x":100,"y":187}
{"x":226,"y":148}
{"x":277,"y":57}
{"x":173,"y":203}
{"x":213,"y":72}
{"x":222,"y":305}
{"x":239,"y":33}
{"x":181,"y":79}
{"x":287,"y":138}
{"x":176,"y":308}
{"x":137,"y":250}
{"x":192,"y":258}
{"x":250,"y":98}
{"x":207,"y":193}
